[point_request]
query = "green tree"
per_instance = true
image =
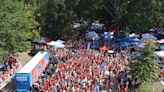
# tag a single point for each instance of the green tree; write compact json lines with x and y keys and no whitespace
{"x":16,"y":24}
{"x":89,"y":9}
{"x":142,"y":13}
{"x":55,"y":16}
{"x":144,"y":66}
{"x":133,"y":14}
{"x":116,"y":9}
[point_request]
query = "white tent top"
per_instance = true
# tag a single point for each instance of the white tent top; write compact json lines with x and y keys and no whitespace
{"x":133,"y":35}
{"x":110,"y":51}
{"x":60,"y":41}
{"x":53,"y":43}
{"x":59,"y":46}
{"x":149,"y":36}
{"x":32,"y":63}
{"x":76,"y":25}
{"x":97,"y":24}
{"x":92,"y":34}
{"x":160,"y":53}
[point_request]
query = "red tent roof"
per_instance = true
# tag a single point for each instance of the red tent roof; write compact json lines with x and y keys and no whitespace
{"x":104,"y":48}
{"x":47,"y":40}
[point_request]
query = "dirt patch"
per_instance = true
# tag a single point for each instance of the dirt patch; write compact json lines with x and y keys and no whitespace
{"x":24,"y":57}
{"x":159,"y":87}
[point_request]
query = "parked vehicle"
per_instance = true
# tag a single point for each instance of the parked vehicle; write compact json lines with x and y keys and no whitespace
{"x":30,"y":73}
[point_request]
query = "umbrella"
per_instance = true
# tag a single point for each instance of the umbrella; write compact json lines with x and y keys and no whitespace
{"x":103,"y":48}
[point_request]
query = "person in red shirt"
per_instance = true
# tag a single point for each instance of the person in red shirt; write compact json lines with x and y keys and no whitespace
{"x":110,"y":86}
{"x":118,"y":88}
{"x":86,"y":89}
{"x":60,"y":90}
{"x":126,"y":89}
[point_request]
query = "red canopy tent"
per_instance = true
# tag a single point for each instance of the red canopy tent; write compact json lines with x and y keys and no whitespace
{"x":104,"y":48}
{"x":162,"y":73}
{"x":47,"y":41}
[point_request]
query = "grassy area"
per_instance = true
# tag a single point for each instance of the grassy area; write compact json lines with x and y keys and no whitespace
{"x":149,"y":88}
{"x":24,"y":57}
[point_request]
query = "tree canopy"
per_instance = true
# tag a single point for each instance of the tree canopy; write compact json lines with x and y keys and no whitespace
{"x":145,"y":65}
{"x":126,"y":14}
{"x":54,"y":17}
{"x":16,"y":25}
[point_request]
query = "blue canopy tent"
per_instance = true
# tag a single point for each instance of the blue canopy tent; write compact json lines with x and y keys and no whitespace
{"x":126,"y":40}
{"x":126,"y":44}
{"x":130,"y":40}
{"x":107,"y":37}
{"x":94,"y":43}
{"x":134,"y":40}
{"x":94,"y":46}
{"x":91,"y":35}
{"x":97,"y":28}
{"x":116,"y":40}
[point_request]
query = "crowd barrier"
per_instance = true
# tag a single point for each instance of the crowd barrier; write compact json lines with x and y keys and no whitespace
{"x":3,"y":84}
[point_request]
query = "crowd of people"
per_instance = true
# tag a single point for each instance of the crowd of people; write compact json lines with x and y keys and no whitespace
{"x":8,"y":68}
{"x":85,"y":70}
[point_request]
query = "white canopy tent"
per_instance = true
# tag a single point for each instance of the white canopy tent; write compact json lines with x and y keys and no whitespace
{"x":160,"y":53}
{"x":59,"y":46}
{"x":110,"y":51}
{"x":76,"y":25}
{"x":91,"y":35}
{"x":60,"y":41}
{"x":149,"y":36}
{"x":53,"y":43}
{"x":133,"y":35}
